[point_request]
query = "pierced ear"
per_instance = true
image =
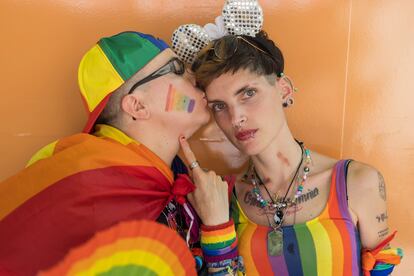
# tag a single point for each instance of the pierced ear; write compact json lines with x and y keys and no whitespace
{"x":134,"y":107}
{"x":286,"y":86}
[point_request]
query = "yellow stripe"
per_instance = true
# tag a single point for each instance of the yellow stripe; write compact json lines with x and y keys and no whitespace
{"x":43,"y":153}
{"x":148,"y":245}
{"x":135,"y":257}
{"x":322,"y":247}
{"x":338,"y":250}
{"x":114,"y":134}
{"x":217,"y":239}
{"x":97,"y":77}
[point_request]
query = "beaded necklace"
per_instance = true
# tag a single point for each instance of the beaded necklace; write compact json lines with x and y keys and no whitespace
{"x":280,"y":205}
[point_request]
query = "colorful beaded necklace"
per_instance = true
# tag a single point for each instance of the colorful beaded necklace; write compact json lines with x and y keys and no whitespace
{"x":279,"y":204}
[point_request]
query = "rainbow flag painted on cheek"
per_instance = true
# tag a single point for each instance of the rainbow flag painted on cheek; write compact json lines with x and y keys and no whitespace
{"x":179,"y":102}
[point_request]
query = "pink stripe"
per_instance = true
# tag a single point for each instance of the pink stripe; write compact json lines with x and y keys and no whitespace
{"x":170,"y":98}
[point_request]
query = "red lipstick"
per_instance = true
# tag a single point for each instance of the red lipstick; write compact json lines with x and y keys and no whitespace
{"x":245,"y":134}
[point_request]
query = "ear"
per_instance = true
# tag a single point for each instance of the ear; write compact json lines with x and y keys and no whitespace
{"x":286,"y":86}
{"x":135,"y":107}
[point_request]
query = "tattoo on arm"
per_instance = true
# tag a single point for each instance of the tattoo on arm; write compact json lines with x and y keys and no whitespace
{"x":383,"y":233}
{"x":382,"y":217}
{"x":381,"y":187}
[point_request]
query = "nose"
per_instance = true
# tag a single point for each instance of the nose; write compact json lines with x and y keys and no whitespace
{"x":238,"y":118}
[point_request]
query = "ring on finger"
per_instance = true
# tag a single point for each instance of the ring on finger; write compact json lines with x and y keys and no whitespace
{"x":194,"y":165}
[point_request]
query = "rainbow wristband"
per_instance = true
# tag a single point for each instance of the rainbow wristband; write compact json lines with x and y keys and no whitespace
{"x":219,"y":242}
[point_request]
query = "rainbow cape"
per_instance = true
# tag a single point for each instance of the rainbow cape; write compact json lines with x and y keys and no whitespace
{"x":144,"y":248}
{"x":74,"y":188}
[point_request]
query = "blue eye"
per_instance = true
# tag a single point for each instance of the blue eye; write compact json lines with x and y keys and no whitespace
{"x":249,"y":93}
{"x":217,"y":107}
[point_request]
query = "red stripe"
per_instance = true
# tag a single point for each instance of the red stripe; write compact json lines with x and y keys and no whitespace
{"x":39,"y":232}
{"x":259,"y":251}
{"x":336,"y":216}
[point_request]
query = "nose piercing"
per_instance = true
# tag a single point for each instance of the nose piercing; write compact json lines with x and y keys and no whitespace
{"x":242,"y":121}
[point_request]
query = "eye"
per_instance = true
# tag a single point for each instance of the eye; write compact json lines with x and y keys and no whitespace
{"x":217,"y":107}
{"x":248,"y":93}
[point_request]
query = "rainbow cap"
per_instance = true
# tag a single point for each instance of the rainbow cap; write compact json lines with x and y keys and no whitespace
{"x":109,"y":64}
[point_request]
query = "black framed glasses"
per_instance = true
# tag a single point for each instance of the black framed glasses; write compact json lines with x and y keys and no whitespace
{"x":175,"y":65}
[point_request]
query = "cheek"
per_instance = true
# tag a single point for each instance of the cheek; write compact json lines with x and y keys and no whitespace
{"x":178,"y":101}
{"x":223,"y":120}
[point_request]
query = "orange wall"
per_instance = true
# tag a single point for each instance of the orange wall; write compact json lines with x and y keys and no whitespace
{"x":351,"y":60}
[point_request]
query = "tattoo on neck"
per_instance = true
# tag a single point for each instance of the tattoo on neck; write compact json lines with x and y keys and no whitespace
{"x":382,"y":217}
{"x":383,"y":233}
{"x":381,"y":187}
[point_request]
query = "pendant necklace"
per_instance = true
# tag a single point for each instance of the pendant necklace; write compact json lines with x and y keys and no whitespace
{"x":279,"y":204}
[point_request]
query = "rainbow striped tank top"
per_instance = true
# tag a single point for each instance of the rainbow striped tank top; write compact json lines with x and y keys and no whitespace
{"x":326,"y":245}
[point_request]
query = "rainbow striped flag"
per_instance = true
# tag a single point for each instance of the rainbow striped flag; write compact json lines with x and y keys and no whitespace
{"x":77,"y":186}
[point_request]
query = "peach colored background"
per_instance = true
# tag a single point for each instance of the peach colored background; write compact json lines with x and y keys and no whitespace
{"x":351,"y":60}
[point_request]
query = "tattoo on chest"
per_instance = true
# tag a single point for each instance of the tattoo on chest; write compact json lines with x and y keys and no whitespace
{"x":381,"y":187}
{"x":250,"y":198}
{"x":382,"y":217}
{"x":308,"y":196}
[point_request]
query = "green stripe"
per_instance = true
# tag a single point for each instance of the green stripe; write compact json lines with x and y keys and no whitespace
{"x":129,"y":270}
{"x":128,"y":52}
{"x":306,"y":249}
{"x":218,"y":245}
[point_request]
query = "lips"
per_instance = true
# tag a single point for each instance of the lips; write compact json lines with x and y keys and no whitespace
{"x":245,"y":134}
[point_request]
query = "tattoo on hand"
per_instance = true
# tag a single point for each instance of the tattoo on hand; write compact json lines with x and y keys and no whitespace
{"x":383,"y":233}
{"x":381,"y":187}
{"x":382,"y":217}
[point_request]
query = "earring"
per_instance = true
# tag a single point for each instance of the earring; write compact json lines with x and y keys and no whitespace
{"x":289,"y":102}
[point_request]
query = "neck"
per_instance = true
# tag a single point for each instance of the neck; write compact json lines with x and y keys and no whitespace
{"x":164,"y":145}
{"x":277,"y":164}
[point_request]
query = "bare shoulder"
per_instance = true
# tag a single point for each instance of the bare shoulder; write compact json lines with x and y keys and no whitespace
{"x":365,"y":181}
{"x":367,"y":200}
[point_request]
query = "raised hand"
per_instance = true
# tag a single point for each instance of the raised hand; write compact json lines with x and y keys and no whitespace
{"x":210,"y":198}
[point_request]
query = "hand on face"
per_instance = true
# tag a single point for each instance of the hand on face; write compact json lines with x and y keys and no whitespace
{"x":210,"y":198}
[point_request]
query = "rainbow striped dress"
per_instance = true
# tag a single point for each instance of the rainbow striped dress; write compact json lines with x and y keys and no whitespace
{"x":326,"y":245}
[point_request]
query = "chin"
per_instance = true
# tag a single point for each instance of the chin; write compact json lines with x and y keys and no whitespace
{"x":250,"y":148}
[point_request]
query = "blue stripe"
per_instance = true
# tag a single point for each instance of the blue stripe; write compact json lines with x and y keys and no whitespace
{"x":291,"y":251}
{"x":161,"y":44}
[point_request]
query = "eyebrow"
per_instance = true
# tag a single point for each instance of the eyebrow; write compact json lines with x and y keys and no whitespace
{"x":240,"y":90}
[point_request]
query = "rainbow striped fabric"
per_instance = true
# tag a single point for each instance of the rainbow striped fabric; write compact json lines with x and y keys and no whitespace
{"x":326,"y":245}
{"x":130,"y":248}
{"x":89,"y":183}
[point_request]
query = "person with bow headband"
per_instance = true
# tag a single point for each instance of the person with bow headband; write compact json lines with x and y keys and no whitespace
{"x":293,"y":211}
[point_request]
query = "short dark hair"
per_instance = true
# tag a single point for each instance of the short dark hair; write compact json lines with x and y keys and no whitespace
{"x":258,"y":54}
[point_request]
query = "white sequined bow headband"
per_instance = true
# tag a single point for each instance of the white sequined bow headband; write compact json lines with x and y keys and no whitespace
{"x":239,"y":17}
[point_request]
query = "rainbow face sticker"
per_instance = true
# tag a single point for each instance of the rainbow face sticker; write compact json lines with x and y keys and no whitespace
{"x":178,"y":102}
